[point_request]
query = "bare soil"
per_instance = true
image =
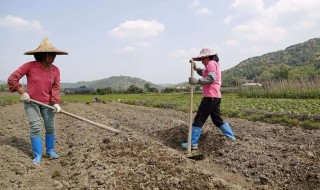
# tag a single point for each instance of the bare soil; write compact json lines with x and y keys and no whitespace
{"x":147,"y":154}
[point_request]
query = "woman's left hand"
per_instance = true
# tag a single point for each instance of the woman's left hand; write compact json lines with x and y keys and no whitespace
{"x":194,"y":81}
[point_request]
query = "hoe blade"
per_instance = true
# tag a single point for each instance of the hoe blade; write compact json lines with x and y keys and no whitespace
{"x":196,"y":157}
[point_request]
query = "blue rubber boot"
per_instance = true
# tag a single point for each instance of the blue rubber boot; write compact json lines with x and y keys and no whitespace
{"x":50,"y":140}
{"x":36,"y":143}
{"x":195,"y":135}
{"x":227,"y":131}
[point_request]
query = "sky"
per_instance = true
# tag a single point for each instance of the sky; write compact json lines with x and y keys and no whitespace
{"x":150,"y":39}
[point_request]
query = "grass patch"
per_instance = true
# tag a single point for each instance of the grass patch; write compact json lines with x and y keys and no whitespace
{"x":9,"y":100}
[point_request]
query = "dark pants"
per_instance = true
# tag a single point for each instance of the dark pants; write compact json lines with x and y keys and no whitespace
{"x":208,"y":106}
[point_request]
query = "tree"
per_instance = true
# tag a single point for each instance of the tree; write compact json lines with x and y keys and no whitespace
{"x":134,"y":90}
{"x":147,"y":87}
{"x":232,"y":81}
{"x":282,"y":72}
{"x":100,"y":91}
{"x":153,"y":90}
{"x":109,"y":90}
{"x":168,"y":90}
{"x":197,"y":88}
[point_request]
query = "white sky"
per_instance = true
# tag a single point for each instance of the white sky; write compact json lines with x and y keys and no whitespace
{"x":151,"y":40}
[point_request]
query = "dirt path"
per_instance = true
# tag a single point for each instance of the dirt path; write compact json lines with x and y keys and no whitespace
{"x":147,"y":155}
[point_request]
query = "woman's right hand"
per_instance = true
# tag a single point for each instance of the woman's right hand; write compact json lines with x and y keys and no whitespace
{"x":25,"y":97}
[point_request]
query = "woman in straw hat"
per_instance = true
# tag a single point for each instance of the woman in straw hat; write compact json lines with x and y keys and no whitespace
{"x":210,"y":103}
{"x":43,"y":85}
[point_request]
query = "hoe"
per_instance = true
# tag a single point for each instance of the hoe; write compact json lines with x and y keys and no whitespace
{"x":112,"y":129}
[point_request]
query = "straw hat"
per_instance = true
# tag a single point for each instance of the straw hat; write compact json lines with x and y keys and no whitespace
{"x":46,"y":46}
{"x":205,"y":52}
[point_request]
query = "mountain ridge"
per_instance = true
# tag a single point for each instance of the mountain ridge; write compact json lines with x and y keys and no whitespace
{"x":299,"y":61}
{"x":114,"y":82}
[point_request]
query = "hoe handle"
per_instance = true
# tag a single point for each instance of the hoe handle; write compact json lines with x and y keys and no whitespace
{"x":190,"y":112}
{"x":78,"y":117}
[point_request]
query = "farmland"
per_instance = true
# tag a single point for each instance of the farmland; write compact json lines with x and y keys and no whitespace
{"x":147,"y":154}
{"x":286,"y":111}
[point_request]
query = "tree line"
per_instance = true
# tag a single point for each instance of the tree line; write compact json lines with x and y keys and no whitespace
{"x":132,"y":89}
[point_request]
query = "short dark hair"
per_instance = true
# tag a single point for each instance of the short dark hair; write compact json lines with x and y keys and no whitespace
{"x":214,"y":57}
{"x":39,"y":56}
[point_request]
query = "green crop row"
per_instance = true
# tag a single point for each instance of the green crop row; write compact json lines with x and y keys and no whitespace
{"x":293,"y":93}
{"x":291,"y":112}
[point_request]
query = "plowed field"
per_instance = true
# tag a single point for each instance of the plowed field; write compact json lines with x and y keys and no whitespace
{"x":147,"y":154}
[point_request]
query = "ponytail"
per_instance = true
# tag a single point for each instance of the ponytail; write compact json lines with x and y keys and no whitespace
{"x":214,"y":58}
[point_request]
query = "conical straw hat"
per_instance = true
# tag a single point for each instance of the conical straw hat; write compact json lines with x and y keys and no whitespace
{"x":46,"y":46}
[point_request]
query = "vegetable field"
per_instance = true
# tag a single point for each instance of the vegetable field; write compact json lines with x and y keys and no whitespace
{"x":291,"y":112}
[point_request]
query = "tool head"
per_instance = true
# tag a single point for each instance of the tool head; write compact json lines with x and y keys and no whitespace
{"x":196,"y":157}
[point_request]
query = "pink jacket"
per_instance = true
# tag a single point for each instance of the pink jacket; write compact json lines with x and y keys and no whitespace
{"x":42,"y":84}
{"x":212,"y":90}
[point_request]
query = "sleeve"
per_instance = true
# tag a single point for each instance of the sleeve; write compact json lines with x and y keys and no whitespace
{"x":211,"y":77}
{"x":55,"y":92}
{"x":199,"y":71}
{"x":14,"y":78}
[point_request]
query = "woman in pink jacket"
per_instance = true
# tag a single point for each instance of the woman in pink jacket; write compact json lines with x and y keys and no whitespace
{"x":43,"y":85}
{"x":210,"y":103}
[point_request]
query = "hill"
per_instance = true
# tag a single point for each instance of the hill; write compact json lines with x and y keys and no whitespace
{"x":115,"y":82}
{"x":295,"y":62}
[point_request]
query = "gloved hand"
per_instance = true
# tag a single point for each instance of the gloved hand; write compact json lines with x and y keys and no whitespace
{"x":58,"y":108}
{"x":194,"y":81}
{"x":25,"y":97}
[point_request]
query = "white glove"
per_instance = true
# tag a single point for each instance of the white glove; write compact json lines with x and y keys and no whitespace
{"x":58,"y":108}
{"x":194,"y":81}
{"x":25,"y":97}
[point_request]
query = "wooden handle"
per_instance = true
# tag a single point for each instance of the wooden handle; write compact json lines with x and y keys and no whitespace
{"x":192,"y":66}
{"x":190,"y":113}
{"x":78,"y":117}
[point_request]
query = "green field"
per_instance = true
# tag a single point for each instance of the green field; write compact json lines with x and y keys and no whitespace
{"x":290,"y":112}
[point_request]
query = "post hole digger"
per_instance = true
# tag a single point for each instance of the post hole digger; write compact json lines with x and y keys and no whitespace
{"x":189,"y":153}
{"x":112,"y":129}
